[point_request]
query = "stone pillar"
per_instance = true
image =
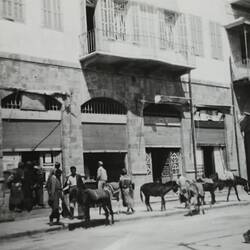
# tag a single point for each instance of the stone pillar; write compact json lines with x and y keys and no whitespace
{"x":187,"y":147}
{"x":136,"y":151}
{"x":71,"y":136}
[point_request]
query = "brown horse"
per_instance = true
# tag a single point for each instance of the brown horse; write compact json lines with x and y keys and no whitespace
{"x":90,"y":197}
{"x":157,"y":189}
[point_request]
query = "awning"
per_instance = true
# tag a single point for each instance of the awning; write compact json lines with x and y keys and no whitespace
{"x":176,"y":100}
{"x":237,"y":23}
{"x":104,"y":137}
{"x":221,"y":108}
{"x":31,"y":135}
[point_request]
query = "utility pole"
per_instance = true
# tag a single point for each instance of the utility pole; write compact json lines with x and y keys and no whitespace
{"x":234,"y":116}
{"x":192,"y":123}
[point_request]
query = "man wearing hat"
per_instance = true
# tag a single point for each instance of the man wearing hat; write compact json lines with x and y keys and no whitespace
{"x":101,"y":175}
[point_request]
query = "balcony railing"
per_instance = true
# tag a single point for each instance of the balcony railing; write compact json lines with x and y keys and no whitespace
{"x":145,"y":47}
{"x":241,"y":69}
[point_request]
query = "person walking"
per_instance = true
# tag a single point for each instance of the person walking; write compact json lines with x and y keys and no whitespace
{"x":127,"y":191}
{"x":101,"y":175}
{"x":54,"y":189}
{"x":58,"y":171}
{"x":73,"y":184}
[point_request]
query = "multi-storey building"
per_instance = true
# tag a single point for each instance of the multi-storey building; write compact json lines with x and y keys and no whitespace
{"x":113,"y":80}
{"x":238,"y":29}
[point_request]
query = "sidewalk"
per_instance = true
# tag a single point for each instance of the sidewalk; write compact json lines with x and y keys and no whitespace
{"x":37,"y":221}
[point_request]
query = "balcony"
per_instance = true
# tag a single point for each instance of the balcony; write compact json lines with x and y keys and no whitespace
{"x":147,"y":56}
{"x":241,"y":70}
{"x":241,"y":3}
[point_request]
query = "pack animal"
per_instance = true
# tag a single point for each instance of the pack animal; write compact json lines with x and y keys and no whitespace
{"x":157,"y":189}
{"x":91,"y":197}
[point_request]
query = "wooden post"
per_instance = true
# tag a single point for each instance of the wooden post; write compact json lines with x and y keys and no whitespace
{"x":234,"y":116}
{"x":192,"y":123}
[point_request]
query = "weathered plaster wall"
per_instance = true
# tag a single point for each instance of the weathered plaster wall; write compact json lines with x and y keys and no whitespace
{"x":43,"y":76}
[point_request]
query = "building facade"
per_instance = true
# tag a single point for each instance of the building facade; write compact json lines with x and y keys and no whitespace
{"x":113,"y":80}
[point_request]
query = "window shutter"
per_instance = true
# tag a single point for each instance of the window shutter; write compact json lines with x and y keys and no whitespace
{"x":108,"y":27}
{"x":216,"y":41}
{"x":181,"y":35}
{"x":135,"y":20}
{"x":196,"y":35}
{"x":13,"y":9}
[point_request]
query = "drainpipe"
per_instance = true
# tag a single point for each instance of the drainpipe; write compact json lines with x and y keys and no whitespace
{"x":234,"y":116}
{"x":192,"y":123}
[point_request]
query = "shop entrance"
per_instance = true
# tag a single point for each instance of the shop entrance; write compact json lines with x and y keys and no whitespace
{"x":209,"y":166}
{"x":30,"y":156}
{"x":113,"y":163}
{"x":166,"y":163}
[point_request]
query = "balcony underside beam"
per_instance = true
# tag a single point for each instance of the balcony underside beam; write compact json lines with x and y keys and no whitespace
{"x":101,"y":61}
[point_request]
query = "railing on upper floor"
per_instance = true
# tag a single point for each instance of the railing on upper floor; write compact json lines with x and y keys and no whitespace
{"x":241,"y":69}
{"x":145,"y":47}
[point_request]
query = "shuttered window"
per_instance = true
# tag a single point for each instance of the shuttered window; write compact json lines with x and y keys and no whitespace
{"x":52,"y":16}
{"x":136,"y":23}
{"x":181,"y":34}
{"x":216,"y":40}
{"x":108,"y":27}
{"x":13,"y":10}
{"x":196,"y":35}
{"x":166,"y":29}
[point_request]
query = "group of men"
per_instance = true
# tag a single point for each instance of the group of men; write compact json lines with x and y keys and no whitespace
{"x":26,"y":187}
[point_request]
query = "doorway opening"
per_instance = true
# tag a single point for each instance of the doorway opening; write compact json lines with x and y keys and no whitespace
{"x":112,"y":162}
{"x":166,"y":163}
{"x":209,"y":165}
{"x":30,"y":156}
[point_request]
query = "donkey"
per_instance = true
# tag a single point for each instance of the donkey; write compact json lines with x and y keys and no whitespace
{"x":157,"y":189}
{"x":90,"y":197}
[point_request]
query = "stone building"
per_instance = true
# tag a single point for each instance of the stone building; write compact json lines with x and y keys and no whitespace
{"x":238,"y":29}
{"x":113,"y":80}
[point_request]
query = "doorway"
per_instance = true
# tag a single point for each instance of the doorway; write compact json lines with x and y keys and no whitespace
{"x":30,"y":156}
{"x":209,"y":166}
{"x":247,"y":150}
{"x":113,"y":163}
{"x":166,"y":163}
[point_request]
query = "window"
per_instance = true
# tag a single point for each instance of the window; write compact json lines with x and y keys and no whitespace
{"x":13,"y":10}
{"x":166,"y":29}
{"x":52,"y":104}
{"x":216,"y":40}
{"x":103,"y":106}
{"x":12,"y":101}
{"x":52,"y":16}
{"x":196,"y":35}
{"x":181,"y":34}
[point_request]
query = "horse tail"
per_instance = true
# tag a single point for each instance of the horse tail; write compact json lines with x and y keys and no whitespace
{"x":141,"y":194}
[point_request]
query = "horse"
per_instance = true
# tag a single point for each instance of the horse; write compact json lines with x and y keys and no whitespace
{"x":195,"y":191}
{"x":157,"y":189}
{"x":210,"y":187}
{"x":233,"y":183}
{"x":90,"y":197}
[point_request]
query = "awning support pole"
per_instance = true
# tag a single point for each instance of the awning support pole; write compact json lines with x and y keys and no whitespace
{"x":234,"y":116}
{"x":192,"y":123}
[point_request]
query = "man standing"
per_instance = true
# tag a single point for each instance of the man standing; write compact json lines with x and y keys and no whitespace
{"x":101,"y":175}
{"x":73,"y":183}
{"x":58,"y":171}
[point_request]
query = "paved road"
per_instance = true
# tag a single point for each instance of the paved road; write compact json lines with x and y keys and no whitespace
{"x":217,"y":229}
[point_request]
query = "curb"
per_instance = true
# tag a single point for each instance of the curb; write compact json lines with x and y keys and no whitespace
{"x":74,"y":225}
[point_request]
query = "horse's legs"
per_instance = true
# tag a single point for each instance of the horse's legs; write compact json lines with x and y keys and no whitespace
{"x":163,"y":204}
{"x":104,"y":206}
{"x":212,"y":197}
{"x":147,"y":202}
{"x":229,"y":190}
{"x":109,"y":205}
{"x":236,"y":192}
{"x":87,"y":216}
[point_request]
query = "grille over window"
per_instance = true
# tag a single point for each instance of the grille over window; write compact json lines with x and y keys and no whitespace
{"x":12,"y":101}
{"x":103,"y":106}
{"x":52,"y":104}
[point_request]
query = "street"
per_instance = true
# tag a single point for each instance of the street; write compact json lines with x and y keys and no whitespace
{"x":217,"y":229}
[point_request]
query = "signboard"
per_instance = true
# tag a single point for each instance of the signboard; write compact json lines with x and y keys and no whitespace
{"x":11,"y":161}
